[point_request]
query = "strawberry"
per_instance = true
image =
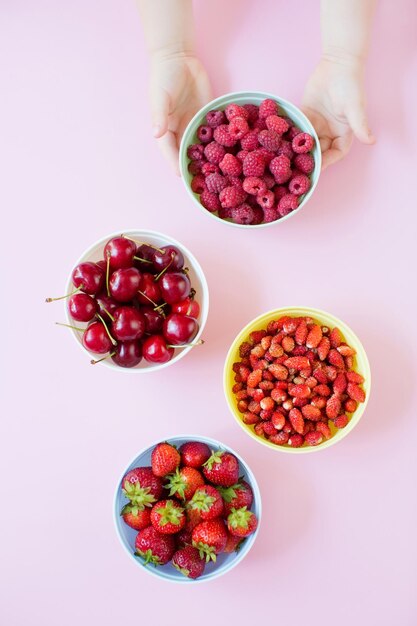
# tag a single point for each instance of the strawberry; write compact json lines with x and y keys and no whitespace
{"x":311,"y":412}
{"x":136,"y":518}
{"x":350,"y":406}
{"x":340,"y":384}
{"x":154,"y":547}
{"x":346,"y":350}
{"x":222,"y":468}
{"x":207,"y":501}
{"x":297,"y":362}
{"x":183,"y":482}
{"x":278,"y":420}
{"x":354,"y":377}
{"x":323,"y":390}
{"x":336,"y":359}
{"x":299,"y":391}
{"x":183,"y":538}
{"x":165,"y":459}
{"x":195,"y":453}
{"x":297,"y":421}
{"x":237,"y":496}
{"x":335,"y":337}
{"x":333,"y":407}
{"x":233,"y":543}
{"x":324,"y":429}
{"x":313,"y":438}
{"x":288,"y":344}
{"x":188,"y":562}
{"x":168,"y":517}
{"x":296,"y":441}
{"x":210,"y":538}
{"x":314,"y":336}
{"x":355,"y":392}
{"x":323,"y":348}
{"x":254,"y":378}
{"x":301,"y":333}
{"x":278,"y":371}
{"x":193,"y":517}
{"x":341,"y":421}
{"x":280,"y":438}
{"x":241,"y":522}
{"x":141,"y":487}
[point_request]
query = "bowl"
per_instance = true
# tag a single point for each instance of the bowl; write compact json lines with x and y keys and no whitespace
{"x":198,"y":282}
{"x":247,"y":97}
{"x":361,"y":365}
{"x":225,"y":562}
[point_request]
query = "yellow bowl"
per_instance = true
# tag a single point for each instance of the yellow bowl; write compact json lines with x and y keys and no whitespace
{"x":361,"y":365}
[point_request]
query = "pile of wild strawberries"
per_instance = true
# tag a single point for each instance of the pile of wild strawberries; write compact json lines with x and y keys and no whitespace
{"x":295,"y":382}
{"x":252,"y":164}
{"x":190,"y":506}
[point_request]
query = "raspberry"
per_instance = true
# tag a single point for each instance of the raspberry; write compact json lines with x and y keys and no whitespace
{"x":269,"y":181}
{"x":234,"y":110}
{"x":280,"y":168}
{"x":296,"y":441}
{"x":268,"y":107}
{"x":235,"y":181}
{"x":313,"y":438}
{"x":241,"y":155}
{"x":223,"y":137}
{"x":287,"y":204}
{"x":341,"y":421}
{"x":242,"y":214}
{"x":254,"y":185}
{"x":299,"y":185}
{"x":292,"y":132}
{"x":253,"y":165}
{"x":195,"y":152}
{"x":258,"y":217}
{"x":279,"y":192}
{"x":198,"y":184}
{"x":205,"y":134}
{"x":209,"y":168}
{"x":225,"y":213}
{"x":285,"y":149}
{"x":215,"y":118}
{"x":304,"y":162}
{"x":266,"y":154}
{"x":215,"y":183}
{"x":230,"y":165}
{"x":252,"y":111}
{"x":238,"y":127}
{"x":303,"y":142}
{"x":250,"y":140}
{"x":266,"y":199}
{"x":214,"y":152}
{"x":210,"y":201}
{"x":259,"y":124}
{"x":269,"y":139}
{"x":231,"y":197}
{"x":270,"y":214}
{"x":195,"y":167}
{"x":277,"y":124}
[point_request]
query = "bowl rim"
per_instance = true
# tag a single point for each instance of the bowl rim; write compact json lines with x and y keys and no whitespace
{"x":231,"y":95}
{"x":249,"y":541}
{"x":204,"y":296}
{"x":356,"y":416}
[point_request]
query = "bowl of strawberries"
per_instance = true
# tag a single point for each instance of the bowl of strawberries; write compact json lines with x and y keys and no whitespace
{"x":250,"y":159}
{"x":187,"y":508}
{"x":297,"y":379}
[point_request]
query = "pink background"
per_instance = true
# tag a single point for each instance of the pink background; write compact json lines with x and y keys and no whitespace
{"x":338,"y":540}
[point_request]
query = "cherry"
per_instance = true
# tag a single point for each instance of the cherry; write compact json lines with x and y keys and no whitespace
{"x":124,"y":284}
{"x":127,"y":353}
{"x":128,"y":324}
{"x":146,"y":253}
{"x":106,"y":305}
{"x":179,"y":329}
{"x":153,"y":320}
{"x":186,"y":307}
{"x":82,"y":307}
{"x":89,"y":277}
{"x":120,"y":252}
{"x":96,"y":338}
{"x":175,"y":286}
{"x":155,"y":349}
{"x":102,"y":264}
{"x":168,"y":256}
{"x":149,"y":290}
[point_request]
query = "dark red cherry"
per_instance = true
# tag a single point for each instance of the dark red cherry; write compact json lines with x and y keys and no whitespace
{"x":120,"y":252}
{"x":153,"y":320}
{"x":146,"y":253}
{"x":82,"y":307}
{"x":170,"y":257}
{"x":175,"y":286}
{"x":124,"y":284}
{"x":179,"y":329}
{"x":186,"y":307}
{"x":155,"y":350}
{"x":128,"y":353}
{"x":106,"y":304}
{"x":129,"y":324}
{"x":149,"y":291}
{"x":103,"y":265}
{"x":89,"y":277}
{"x":96,"y":339}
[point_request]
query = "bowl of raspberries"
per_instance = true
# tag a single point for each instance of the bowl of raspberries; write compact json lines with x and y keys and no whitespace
{"x":187,"y":509}
{"x":250,"y":159}
{"x":297,"y":379}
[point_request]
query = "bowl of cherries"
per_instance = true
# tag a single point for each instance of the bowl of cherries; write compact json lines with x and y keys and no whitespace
{"x":137,"y":301}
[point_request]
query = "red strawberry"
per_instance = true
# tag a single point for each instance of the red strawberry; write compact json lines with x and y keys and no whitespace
{"x":222,"y":468}
{"x":195,"y":453}
{"x":233,"y":543}
{"x":242,"y":522}
{"x":355,"y":392}
{"x":297,"y":362}
{"x":237,"y":496}
{"x":188,"y":562}
{"x":311,"y":412}
{"x":340,"y":384}
{"x":183,"y":538}
{"x":323,"y":348}
{"x":154,"y":547}
{"x":341,"y":421}
{"x":324,"y":429}
{"x":354,"y":377}
{"x":141,"y":487}
{"x":183,"y":482}
{"x":346,"y":350}
{"x":136,"y":518}
{"x":297,"y":421}
{"x":210,"y":538}
{"x":301,"y":333}
{"x":336,"y":359}
{"x":207,"y":501}
{"x":296,"y":441}
{"x":333,"y":407}
{"x":335,"y":337}
{"x":193,"y":517}
{"x":314,"y":336}
{"x":165,"y":459}
{"x":313,"y":438}
{"x":168,"y":517}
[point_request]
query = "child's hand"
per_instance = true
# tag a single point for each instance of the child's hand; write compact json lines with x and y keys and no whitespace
{"x":334,"y":101}
{"x":179,"y":88}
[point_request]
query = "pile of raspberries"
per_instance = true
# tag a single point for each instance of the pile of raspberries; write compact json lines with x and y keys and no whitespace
{"x":251,"y":165}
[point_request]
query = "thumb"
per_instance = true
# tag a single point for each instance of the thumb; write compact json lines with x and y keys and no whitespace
{"x":356,"y":116}
{"x":160,"y":102}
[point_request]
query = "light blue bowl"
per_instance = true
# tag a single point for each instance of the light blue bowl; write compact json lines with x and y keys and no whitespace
{"x":225,"y":562}
{"x":248,"y":97}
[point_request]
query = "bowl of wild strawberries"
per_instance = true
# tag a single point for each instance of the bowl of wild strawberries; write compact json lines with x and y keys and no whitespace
{"x":187,"y":508}
{"x":137,"y":301}
{"x":250,"y":159}
{"x":297,"y":379}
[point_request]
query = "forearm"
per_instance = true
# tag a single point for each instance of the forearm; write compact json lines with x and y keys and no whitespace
{"x":168,"y":26}
{"x":345,"y":28}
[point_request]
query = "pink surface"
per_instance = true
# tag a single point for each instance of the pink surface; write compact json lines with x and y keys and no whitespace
{"x":337,"y":544}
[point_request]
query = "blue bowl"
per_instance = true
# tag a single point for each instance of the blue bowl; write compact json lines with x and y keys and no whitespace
{"x":225,"y":562}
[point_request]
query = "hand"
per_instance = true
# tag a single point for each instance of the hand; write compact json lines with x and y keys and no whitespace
{"x":334,"y":101}
{"x":179,"y":88}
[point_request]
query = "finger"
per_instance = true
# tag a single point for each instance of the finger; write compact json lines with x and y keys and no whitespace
{"x":325,"y":143}
{"x":358,"y":122}
{"x":338,"y":149}
{"x":169,"y":148}
{"x":160,"y":103}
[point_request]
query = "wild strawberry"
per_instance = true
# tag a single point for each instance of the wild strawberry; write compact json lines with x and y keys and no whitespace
{"x":331,"y":372}
{"x":299,"y":402}
{"x":136,"y":518}
{"x":280,"y":439}
{"x":254,"y":378}
{"x":335,"y":337}
{"x":183,"y":482}
{"x":333,"y":407}
{"x":350,"y":406}
{"x":340,"y":384}
{"x":210,"y":538}
{"x":278,"y":371}
{"x":241,"y":522}
{"x":222,"y":468}
{"x":290,"y":325}
{"x":354,"y":377}
{"x":346,"y":350}
{"x":314,"y":336}
{"x":256,"y":336}
{"x":311,"y":412}
{"x":313,"y":438}
{"x":141,"y":487}
{"x":323,"y":390}
{"x":168,"y":517}
{"x":311,"y":382}
{"x":276,"y":350}
{"x":207,"y":501}
{"x":278,"y":420}
{"x":336,"y":359}
{"x":319,"y":402}
{"x":355,"y":392}
{"x":297,"y":421}
{"x":266,"y":416}
{"x":348,"y":362}
{"x":341,"y":421}
{"x":288,"y":344}
{"x":267,"y":404}
{"x":259,"y":429}
{"x":297,"y":362}
{"x":301,"y":333}
{"x":236,"y":496}
{"x":250,"y":418}
{"x":154,"y":547}
{"x":187,"y":560}
{"x":288,"y":405}
{"x":299,"y":391}
{"x":266,"y":385}
{"x":323,"y":428}
{"x":296,"y":441}
{"x":323,"y":348}
{"x":165,"y":459}
{"x":259,"y":395}
{"x":254,"y":407}
{"x":278,"y":395}
{"x":244,"y":349}
{"x":233,"y":543}
{"x":320,"y":375}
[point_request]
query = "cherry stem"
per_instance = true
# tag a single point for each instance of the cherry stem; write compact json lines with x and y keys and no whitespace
{"x":148,"y":298}
{"x":138,"y":258}
{"x":185,"y":270}
{"x":108,"y":313}
{"x":67,"y":296}
{"x":107,"y":274}
{"x":81,"y":330}
{"x":165,"y":268}
{"x":187,"y":345}
{"x":114,"y":342}
{"x":95,"y":361}
{"x":192,"y":293}
{"x":156,"y":308}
